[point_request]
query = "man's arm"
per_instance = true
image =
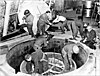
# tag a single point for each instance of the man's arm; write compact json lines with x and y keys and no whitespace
{"x":24,"y":17}
{"x":48,"y":22}
{"x":45,"y":19}
{"x":70,"y":58}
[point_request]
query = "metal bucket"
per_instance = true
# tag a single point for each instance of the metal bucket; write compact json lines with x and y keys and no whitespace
{"x":87,"y":12}
{"x":88,"y":4}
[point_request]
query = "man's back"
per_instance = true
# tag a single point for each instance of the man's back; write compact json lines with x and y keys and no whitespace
{"x":68,"y":49}
{"x":29,"y":19}
{"x":43,"y":18}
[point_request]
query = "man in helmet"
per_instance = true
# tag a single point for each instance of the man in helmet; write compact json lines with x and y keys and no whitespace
{"x":28,"y":19}
{"x":67,"y":52}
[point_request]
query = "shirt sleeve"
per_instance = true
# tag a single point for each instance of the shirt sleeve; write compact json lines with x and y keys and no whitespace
{"x":59,"y":18}
{"x":56,"y":20}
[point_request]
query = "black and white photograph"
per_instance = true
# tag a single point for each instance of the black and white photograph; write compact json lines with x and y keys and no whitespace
{"x":49,"y":37}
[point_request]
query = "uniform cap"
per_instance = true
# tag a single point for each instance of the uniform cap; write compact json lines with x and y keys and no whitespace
{"x":75,"y":49}
{"x":26,"y":12}
{"x":28,"y":57}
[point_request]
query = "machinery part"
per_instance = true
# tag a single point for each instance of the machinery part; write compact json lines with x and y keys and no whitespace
{"x":88,"y":4}
{"x":56,"y":65}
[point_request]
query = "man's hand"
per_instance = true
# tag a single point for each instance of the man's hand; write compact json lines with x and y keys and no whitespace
{"x":24,"y":18}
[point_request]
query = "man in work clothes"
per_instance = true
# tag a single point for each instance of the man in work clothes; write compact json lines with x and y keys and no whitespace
{"x":43,"y":22}
{"x":28,"y":22}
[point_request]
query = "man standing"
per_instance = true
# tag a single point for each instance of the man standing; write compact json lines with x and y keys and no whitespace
{"x":42,"y":23}
{"x":80,"y":24}
{"x":28,"y":18}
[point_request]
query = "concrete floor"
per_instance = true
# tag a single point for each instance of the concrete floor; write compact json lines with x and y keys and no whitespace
{"x":6,"y":70}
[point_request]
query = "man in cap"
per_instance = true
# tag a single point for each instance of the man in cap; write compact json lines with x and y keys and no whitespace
{"x":28,"y":18}
{"x":90,"y":37}
{"x":67,"y":52}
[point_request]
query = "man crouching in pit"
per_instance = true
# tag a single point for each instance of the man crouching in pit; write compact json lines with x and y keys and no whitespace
{"x":37,"y":57}
{"x":67,"y":52}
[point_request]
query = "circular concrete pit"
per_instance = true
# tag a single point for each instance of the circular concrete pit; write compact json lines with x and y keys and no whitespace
{"x":15,"y":56}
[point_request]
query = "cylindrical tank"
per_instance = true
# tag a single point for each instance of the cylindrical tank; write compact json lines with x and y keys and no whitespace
{"x":88,"y":4}
{"x":87,"y":12}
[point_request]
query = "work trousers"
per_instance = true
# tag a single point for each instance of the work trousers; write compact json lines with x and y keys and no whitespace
{"x":29,"y":27}
{"x":41,"y":27}
{"x":74,"y":28}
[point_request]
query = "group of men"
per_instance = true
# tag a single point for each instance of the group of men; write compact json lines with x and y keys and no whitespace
{"x":68,"y":50}
{"x":50,"y":18}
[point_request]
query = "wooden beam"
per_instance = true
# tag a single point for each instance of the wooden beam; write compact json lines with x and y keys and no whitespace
{"x":8,"y":6}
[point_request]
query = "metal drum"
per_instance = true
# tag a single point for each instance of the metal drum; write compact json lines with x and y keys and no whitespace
{"x":88,"y":4}
{"x":87,"y":12}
